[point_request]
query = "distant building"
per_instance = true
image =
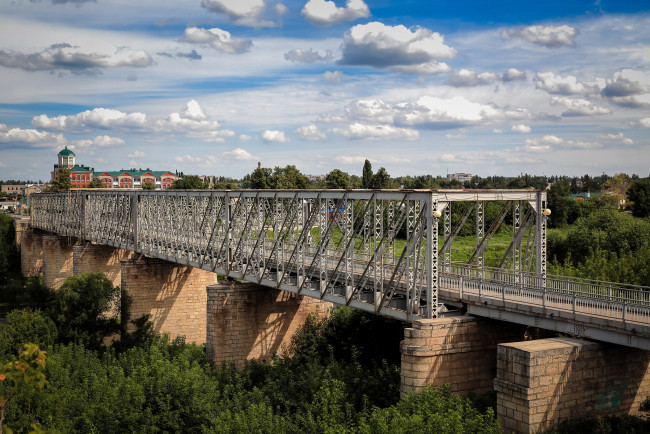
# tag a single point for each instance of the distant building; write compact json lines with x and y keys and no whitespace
{"x":462,"y":177}
{"x":81,"y":175}
{"x":12,"y":188}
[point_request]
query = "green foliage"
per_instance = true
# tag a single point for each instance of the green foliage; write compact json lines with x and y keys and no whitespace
{"x":26,"y":372}
{"x":338,"y":179}
{"x":9,"y":257}
{"x":434,"y":410}
{"x":366,"y":176}
{"x":96,"y":183}
{"x":605,"y":245}
{"x":605,"y":425}
{"x":190,"y":182}
{"x":639,"y":195}
{"x":288,"y":178}
{"x":381,"y":179}
{"x":78,"y":309}
{"x":148,"y":186}
{"x":23,"y":326}
{"x":63,"y":181}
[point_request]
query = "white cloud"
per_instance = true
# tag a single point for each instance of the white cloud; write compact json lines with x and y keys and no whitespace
{"x":629,"y":88}
{"x":579,"y":107}
{"x":216,"y":38}
{"x":513,"y":74}
{"x":311,"y":132}
{"x":30,"y":137}
{"x":325,"y":13}
{"x":432,"y":110}
{"x":245,"y":137}
{"x":520,"y":128}
{"x":542,"y":144}
{"x":384,"y":132}
{"x":333,"y":76}
{"x":99,"y":141}
{"x":274,"y":136}
{"x":497,"y":131}
{"x":564,"y":85}
{"x":238,"y":154}
{"x":617,"y":138}
{"x":243,"y":12}
{"x":280,"y":9}
{"x":467,"y":78}
{"x":307,"y":56}
{"x":374,"y":110}
{"x":547,"y":36}
{"x":188,"y":159}
{"x":645,"y":122}
{"x":67,"y":57}
{"x":375,"y":44}
{"x":455,"y":136}
{"x":353,"y":160}
{"x":136,"y":154}
{"x":193,"y":111}
{"x":191,"y":121}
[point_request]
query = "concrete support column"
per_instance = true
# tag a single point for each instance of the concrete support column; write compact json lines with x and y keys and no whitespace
{"x":57,"y":259}
{"x":540,"y":383}
{"x":98,"y":258}
{"x":31,"y":252}
{"x":458,"y":350}
{"x":174,"y":295}
{"x":248,"y":321}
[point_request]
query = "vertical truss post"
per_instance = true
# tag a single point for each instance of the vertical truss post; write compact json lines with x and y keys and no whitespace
{"x":516,"y":248}
{"x":347,"y":235}
{"x":134,"y":219}
{"x":431,"y":250}
{"x":540,"y":236}
{"x":480,"y":234}
{"x":446,"y":254}
{"x":378,"y":235}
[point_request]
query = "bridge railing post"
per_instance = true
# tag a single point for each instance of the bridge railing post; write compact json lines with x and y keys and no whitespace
{"x":461,"y":285}
{"x":574,"y":303}
{"x":624,"y":310}
{"x":544,"y":294}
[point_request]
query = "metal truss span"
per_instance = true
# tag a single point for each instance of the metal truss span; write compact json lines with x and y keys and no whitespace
{"x":378,"y":251}
{"x":374,"y":250}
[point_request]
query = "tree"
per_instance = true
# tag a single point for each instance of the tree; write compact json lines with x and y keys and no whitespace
{"x":95,"y":183}
{"x":639,"y":195}
{"x":260,"y":179}
{"x":190,"y":182}
{"x":80,"y":306}
{"x":337,"y":179}
{"x":63,"y":181}
{"x":28,"y":369}
{"x":148,"y":186}
{"x":288,"y":178}
{"x":366,"y":176}
{"x":381,"y":179}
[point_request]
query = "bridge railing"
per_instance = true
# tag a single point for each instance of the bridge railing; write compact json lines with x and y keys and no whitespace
{"x":617,"y":308}
{"x":559,"y":284}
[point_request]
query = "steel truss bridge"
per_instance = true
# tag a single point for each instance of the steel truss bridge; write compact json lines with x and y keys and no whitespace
{"x":384,"y":251}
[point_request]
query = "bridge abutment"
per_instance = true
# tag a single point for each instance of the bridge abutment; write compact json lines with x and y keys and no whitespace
{"x":174,"y":295}
{"x":99,"y":258}
{"x":248,"y":321}
{"x":57,"y":259}
{"x":543,"y":382}
{"x":457,"y":350}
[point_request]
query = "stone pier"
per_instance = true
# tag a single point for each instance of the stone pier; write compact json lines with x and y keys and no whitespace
{"x":174,"y":295}
{"x":31,"y":252}
{"x":541,"y":383}
{"x":248,"y":321}
{"x":57,"y":259}
{"x":458,"y":350}
{"x":98,"y":258}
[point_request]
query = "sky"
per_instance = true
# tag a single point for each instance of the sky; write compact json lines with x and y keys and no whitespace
{"x":212,"y":87}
